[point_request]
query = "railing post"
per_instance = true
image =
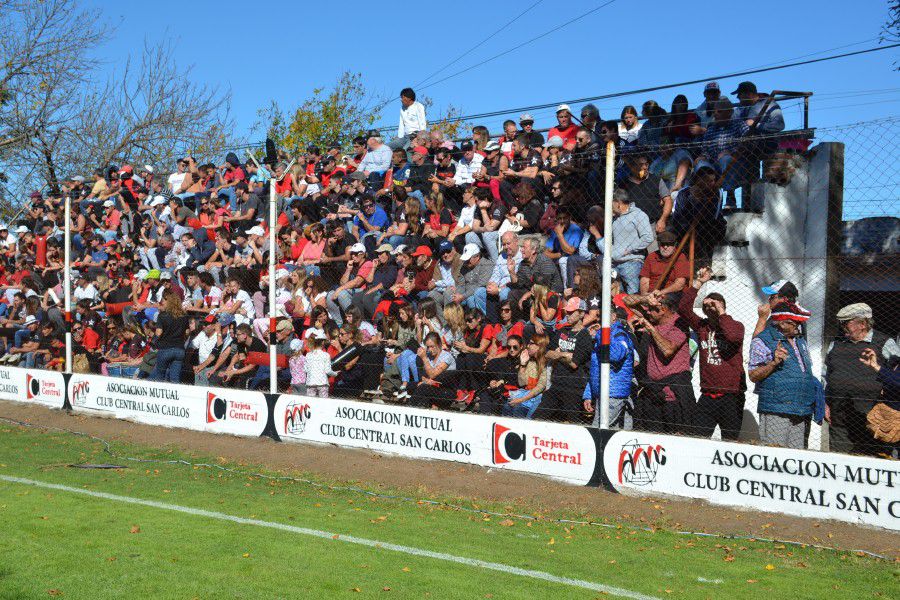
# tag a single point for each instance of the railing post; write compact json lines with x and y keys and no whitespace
{"x":273,"y":222}
{"x":606,"y":308}
{"x":67,"y":282}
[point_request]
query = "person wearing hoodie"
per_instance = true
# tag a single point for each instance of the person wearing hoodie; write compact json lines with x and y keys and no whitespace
{"x":621,"y":370}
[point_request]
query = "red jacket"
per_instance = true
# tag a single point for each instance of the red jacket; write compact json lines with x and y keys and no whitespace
{"x":721,"y":348}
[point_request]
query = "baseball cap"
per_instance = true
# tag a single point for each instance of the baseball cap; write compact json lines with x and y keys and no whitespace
{"x":256,"y":230}
{"x":422,"y":251}
{"x":296,"y":345}
{"x":859,"y":310}
{"x":284,"y":325}
{"x":666,"y":237}
{"x":210,"y":319}
{"x":575,"y":303}
{"x":142,"y":274}
{"x":420,"y":150}
{"x":29,"y":320}
{"x":445,"y":247}
{"x":745,"y":87}
{"x":4,"y":227}
{"x":358,"y":175}
{"x":158,"y":200}
{"x":126,"y":169}
{"x":384,"y":248}
{"x":165,"y":275}
{"x":554,"y":142}
{"x":152,"y":274}
{"x":563,"y":107}
{"x":712,"y":85}
{"x":783,"y":287}
{"x":399,"y":250}
{"x":108,"y":203}
{"x":78,"y":178}
{"x":357,"y":248}
{"x":469,"y":250}
{"x":22,"y":229}
{"x":491,"y":146}
{"x":466,"y":146}
{"x":526,"y":117}
{"x":281,"y":273}
{"x":148,"y":168}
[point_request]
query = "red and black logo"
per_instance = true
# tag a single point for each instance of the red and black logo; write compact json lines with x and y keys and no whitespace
{"x":508,"y":445}
{"x":216,"y":408}
{"x":79,"y":391}
{"x":32,"y":387}
{"x":296,"y":416}
{"x":639,"y":464}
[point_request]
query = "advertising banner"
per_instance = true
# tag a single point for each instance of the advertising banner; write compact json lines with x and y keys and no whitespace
{"x":32,"y":386}
{"x":565,"y":452}
{"x":219,"y":410}
{"x":798,"y":482}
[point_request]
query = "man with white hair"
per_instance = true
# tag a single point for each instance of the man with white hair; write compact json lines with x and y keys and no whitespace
{"x":377,"y":159}
{"x":852,"y":389}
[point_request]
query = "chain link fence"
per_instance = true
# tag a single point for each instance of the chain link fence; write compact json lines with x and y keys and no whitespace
{"x":749,"y":267}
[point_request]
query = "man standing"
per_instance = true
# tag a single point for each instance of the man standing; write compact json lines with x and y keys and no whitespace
{"x":632,"y":234}
{"x":722,"y":382}
{"x":657,"y":263}
{"x":571,"y":357}
{"x":852,"y":388}
{"x":781,"y":368}
{"x":412,"y":119}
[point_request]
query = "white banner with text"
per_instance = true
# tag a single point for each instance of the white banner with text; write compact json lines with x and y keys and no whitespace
{"x":799,"y":482}
{"x":219,"y":410}
{"x":565,"y":452}
{"x":32,"y":386}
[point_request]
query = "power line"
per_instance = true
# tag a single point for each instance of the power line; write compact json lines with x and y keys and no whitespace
{"x":525,"y":43}
{"x":479,"y":44}
{"x":669,"y":85}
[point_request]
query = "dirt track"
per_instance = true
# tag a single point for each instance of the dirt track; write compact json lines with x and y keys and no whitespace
{"x":524,"y":493}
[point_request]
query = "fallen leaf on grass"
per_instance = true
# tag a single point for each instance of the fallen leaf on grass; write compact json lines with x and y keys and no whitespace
{"x":551,"y":542}
{"x":135,"y":529}
{"x":111,"y":559}
{"x":246,"y":555}
{"x":386,"y":589}
{"x":406,"y":569}
{"x":752,"y":581}
{"x":729,"y":558}
{"x":55,"y":592}
{"x":770,"y":567}
{"x":507,"y":523}
{"x":612,"y":562}
{"x":356,"y":589}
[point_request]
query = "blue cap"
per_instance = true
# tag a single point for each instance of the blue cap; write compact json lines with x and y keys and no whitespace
{"x":445,"y":247}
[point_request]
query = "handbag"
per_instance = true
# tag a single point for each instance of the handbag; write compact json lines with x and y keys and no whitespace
{"x":884,"y":423}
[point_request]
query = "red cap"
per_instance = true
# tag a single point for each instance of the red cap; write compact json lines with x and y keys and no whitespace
{"x":421,"y":150}
{"x":126,"y":169}
{"x":422,"y":251}
{"x":210,"y":319}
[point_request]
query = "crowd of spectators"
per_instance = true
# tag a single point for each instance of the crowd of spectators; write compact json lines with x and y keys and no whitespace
{"x":442,"y":276}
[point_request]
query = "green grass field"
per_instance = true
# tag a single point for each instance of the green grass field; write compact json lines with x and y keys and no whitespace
{"x":59,"y":543}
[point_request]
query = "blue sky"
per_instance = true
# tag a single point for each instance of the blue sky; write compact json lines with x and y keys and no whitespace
{"x":626,"y":45}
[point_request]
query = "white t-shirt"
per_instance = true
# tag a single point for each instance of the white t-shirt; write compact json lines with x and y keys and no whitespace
{"x":467,"y":216}
{"x":89,"y":292}
{"x":175,"y":181}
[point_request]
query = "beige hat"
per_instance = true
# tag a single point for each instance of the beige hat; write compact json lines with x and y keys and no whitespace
{"x":860,"y":310}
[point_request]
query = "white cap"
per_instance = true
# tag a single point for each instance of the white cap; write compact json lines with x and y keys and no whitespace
{"x":148,"y":168}
{"x":142,"y":274}
{"x":78,"y":178}
{"x":108,"y":203}
{"x":469,"y":250}
{"x":491,"y":146}
{"x":554,"y":142}
{"x":357,"y":247}
{"x":29,"y":320}
{"x":280,"y":273}
{"x":563,"y":107}
{"x":158,"y":200}
{"x":22,"y":229}
{"x":296,"y":345}
{"x":165,"y":275}
{"x":256,"y":230}
{"x":3,"y":227}
{"x":398,"y":250}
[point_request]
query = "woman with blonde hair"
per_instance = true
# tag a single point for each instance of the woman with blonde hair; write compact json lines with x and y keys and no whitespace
{"x":455,"y":328}
{"x":544,"y":308}
{"x":524,"y":401}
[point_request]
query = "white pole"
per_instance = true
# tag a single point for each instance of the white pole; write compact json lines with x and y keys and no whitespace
{"x":606,"y":304}
{"x":67,"y":282}
{"x":273,"y":219}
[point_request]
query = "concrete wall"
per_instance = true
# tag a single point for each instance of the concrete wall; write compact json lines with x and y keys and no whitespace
{"x":788,"y":240}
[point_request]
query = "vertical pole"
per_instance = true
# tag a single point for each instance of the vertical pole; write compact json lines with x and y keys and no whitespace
{"x":606,"y":303}
{"x":273,"y":220}
{"x":691,"y":250}
{"x":67,"y":282}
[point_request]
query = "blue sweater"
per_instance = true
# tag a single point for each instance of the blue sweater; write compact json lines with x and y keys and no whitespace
{"x":788,"y":390}
{"x":621,"y":362}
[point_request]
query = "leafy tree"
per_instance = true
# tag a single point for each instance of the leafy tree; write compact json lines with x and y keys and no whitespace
{"x":890,"y":31}
{"x":330,"y":115}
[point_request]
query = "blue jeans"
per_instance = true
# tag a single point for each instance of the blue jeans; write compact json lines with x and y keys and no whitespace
{"x":477,"y":300}
{"x":168,"y":365}
{"x":630,"y":275}
{"x":523,"y":410}
{"x":129,"y":372}
{"x":409,"y":370}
